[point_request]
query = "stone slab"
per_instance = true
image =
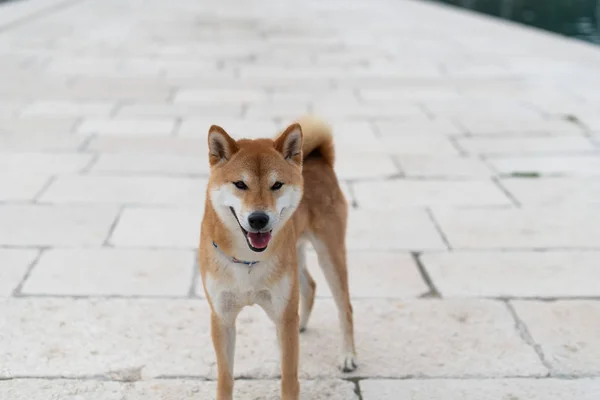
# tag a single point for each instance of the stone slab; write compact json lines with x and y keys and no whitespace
{"x":364,"y":166}
{"x":539,"y":228}
{"x":501,"y":389}
{"x":526,"y":145}
{"x":554,"y":192}
{"x":40,"y":142}
{"x":17,"y":186}
{"x":163,"y":389}
{"x":126,"y":190}
{"x":149,"y":145}
{"x":159,"y":337}
{"x":566,"y":332}
{"x":37,"y":125}
{"x":418,"y":128}
{"x":45,"y":225}
{"x":159,"y":227}
{"x":151,"y":164}
{"x":148,"y":126}
{"x":411,"y":230}
{"x":44,"y":163}
{"x":370,"y":275}
{"x":519,"y":126}
{"x":545,"y":274}
{"x":14,"y":263}
{"x":106,"y":272}
{"x":237,"y":128}
{"x":580,"y":165}
{"x":166,"y":110}
{"x":66,"y":108}
{"x":415,"y":193}
{"x":419,"y":144}
{"x":441,"y":167}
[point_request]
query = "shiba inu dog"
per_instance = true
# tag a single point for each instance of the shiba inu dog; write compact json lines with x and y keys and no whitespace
{"x":265,"y":200}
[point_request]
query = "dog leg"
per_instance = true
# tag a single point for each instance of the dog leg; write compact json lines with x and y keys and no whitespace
{"x":223,"y":338}
{"x":307,"y":288}
{"x":331,"y":251}
{"x":287,"y":331}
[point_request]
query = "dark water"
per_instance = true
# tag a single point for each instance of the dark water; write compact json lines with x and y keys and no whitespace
{"x":575,"y":18}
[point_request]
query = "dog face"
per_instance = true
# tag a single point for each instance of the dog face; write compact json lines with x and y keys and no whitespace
{"x":255,"y":185}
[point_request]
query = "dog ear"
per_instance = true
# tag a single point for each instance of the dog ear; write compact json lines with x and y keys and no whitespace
{"x":221,"y":146}
{"x":289,"y":143}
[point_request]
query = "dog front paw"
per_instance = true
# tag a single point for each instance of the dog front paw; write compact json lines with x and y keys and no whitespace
{"x":348,"y":363}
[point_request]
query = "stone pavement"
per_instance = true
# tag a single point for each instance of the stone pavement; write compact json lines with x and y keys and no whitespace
{"x":468,"y":147}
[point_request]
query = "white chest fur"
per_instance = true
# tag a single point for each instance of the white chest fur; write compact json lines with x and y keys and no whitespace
{"x":239,"y":285}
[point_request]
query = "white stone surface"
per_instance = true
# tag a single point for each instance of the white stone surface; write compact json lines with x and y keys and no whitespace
{"x":118,"y":113}
{"x":566,"y":333}
{"x":43,"y":163}
{"x":515,"y":274}
{"x":431,"y":337}
{"x":409,"y":230}
{"x":414,"y":193}
{"x":17,"y":186}
{"x":14,"y":264}
{"x":364,"y":166}
{"x":111,"y":272}
{"x":37,"y":125}
{"x":159,"y":227}
{"x":151,"y":164}
{"x":501,"y":389}
{"x":237,"y":128}
{"x":150,"y":145}
{"x":65,"y":108}
{"x":162,"y":389}
{"x":419,"y":144}
{"x":558,"y":192}
{"x":519,"y":126}
{"x":44,"y":225}
{"x":520,"y":229}
{"x":155,"y":126}
{"x":370,"y":275}
{"x":580,"y":165}
{"x":418,"y":166}
{"x":41,"y":141}
{"x":526,"y":145}
{"x":126,"y":190}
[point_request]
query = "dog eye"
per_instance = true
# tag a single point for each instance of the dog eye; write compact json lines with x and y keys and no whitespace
{"x":240,"y":185}
{"x":276,"y":186}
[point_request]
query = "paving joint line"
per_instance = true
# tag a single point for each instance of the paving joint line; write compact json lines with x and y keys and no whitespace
{"x":17,"y":290}
{"x":433,"y":291}
{"x":113,"y":226}
{"x":506,"y":192}
{"x":438,"y":228}
{"x":527,"y":338}
{"x":356,"y":379}
{"x":357,"y":390}
{"x":44,"y":189}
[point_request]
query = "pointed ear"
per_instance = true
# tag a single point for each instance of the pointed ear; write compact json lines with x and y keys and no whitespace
{"x":220,"y":145}
{"x":289,"y":143}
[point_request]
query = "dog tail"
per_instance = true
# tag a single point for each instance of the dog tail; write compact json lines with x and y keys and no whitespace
{"x":317,"y":139}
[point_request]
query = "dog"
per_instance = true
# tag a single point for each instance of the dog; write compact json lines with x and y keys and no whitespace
{"x":265,"y":200}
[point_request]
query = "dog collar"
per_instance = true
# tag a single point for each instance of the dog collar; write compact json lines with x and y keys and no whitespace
{"x":235,"y":260}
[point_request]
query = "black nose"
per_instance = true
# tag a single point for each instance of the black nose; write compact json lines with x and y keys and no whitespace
{"x":258,"y":220}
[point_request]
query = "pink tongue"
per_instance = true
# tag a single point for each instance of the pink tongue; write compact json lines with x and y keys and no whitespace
{"x":259,"y":240}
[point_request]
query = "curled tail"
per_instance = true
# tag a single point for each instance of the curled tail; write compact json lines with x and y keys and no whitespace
{"x":317,"y":139}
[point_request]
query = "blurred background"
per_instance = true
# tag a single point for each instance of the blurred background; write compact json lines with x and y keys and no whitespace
{"x":574,"y":18}
{"x":468,"y":147}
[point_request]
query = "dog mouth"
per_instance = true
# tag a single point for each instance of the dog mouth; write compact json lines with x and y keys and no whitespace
{"x":257,"y":241}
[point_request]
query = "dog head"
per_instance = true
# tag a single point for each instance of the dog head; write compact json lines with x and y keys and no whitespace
{"x":255,"y":185}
